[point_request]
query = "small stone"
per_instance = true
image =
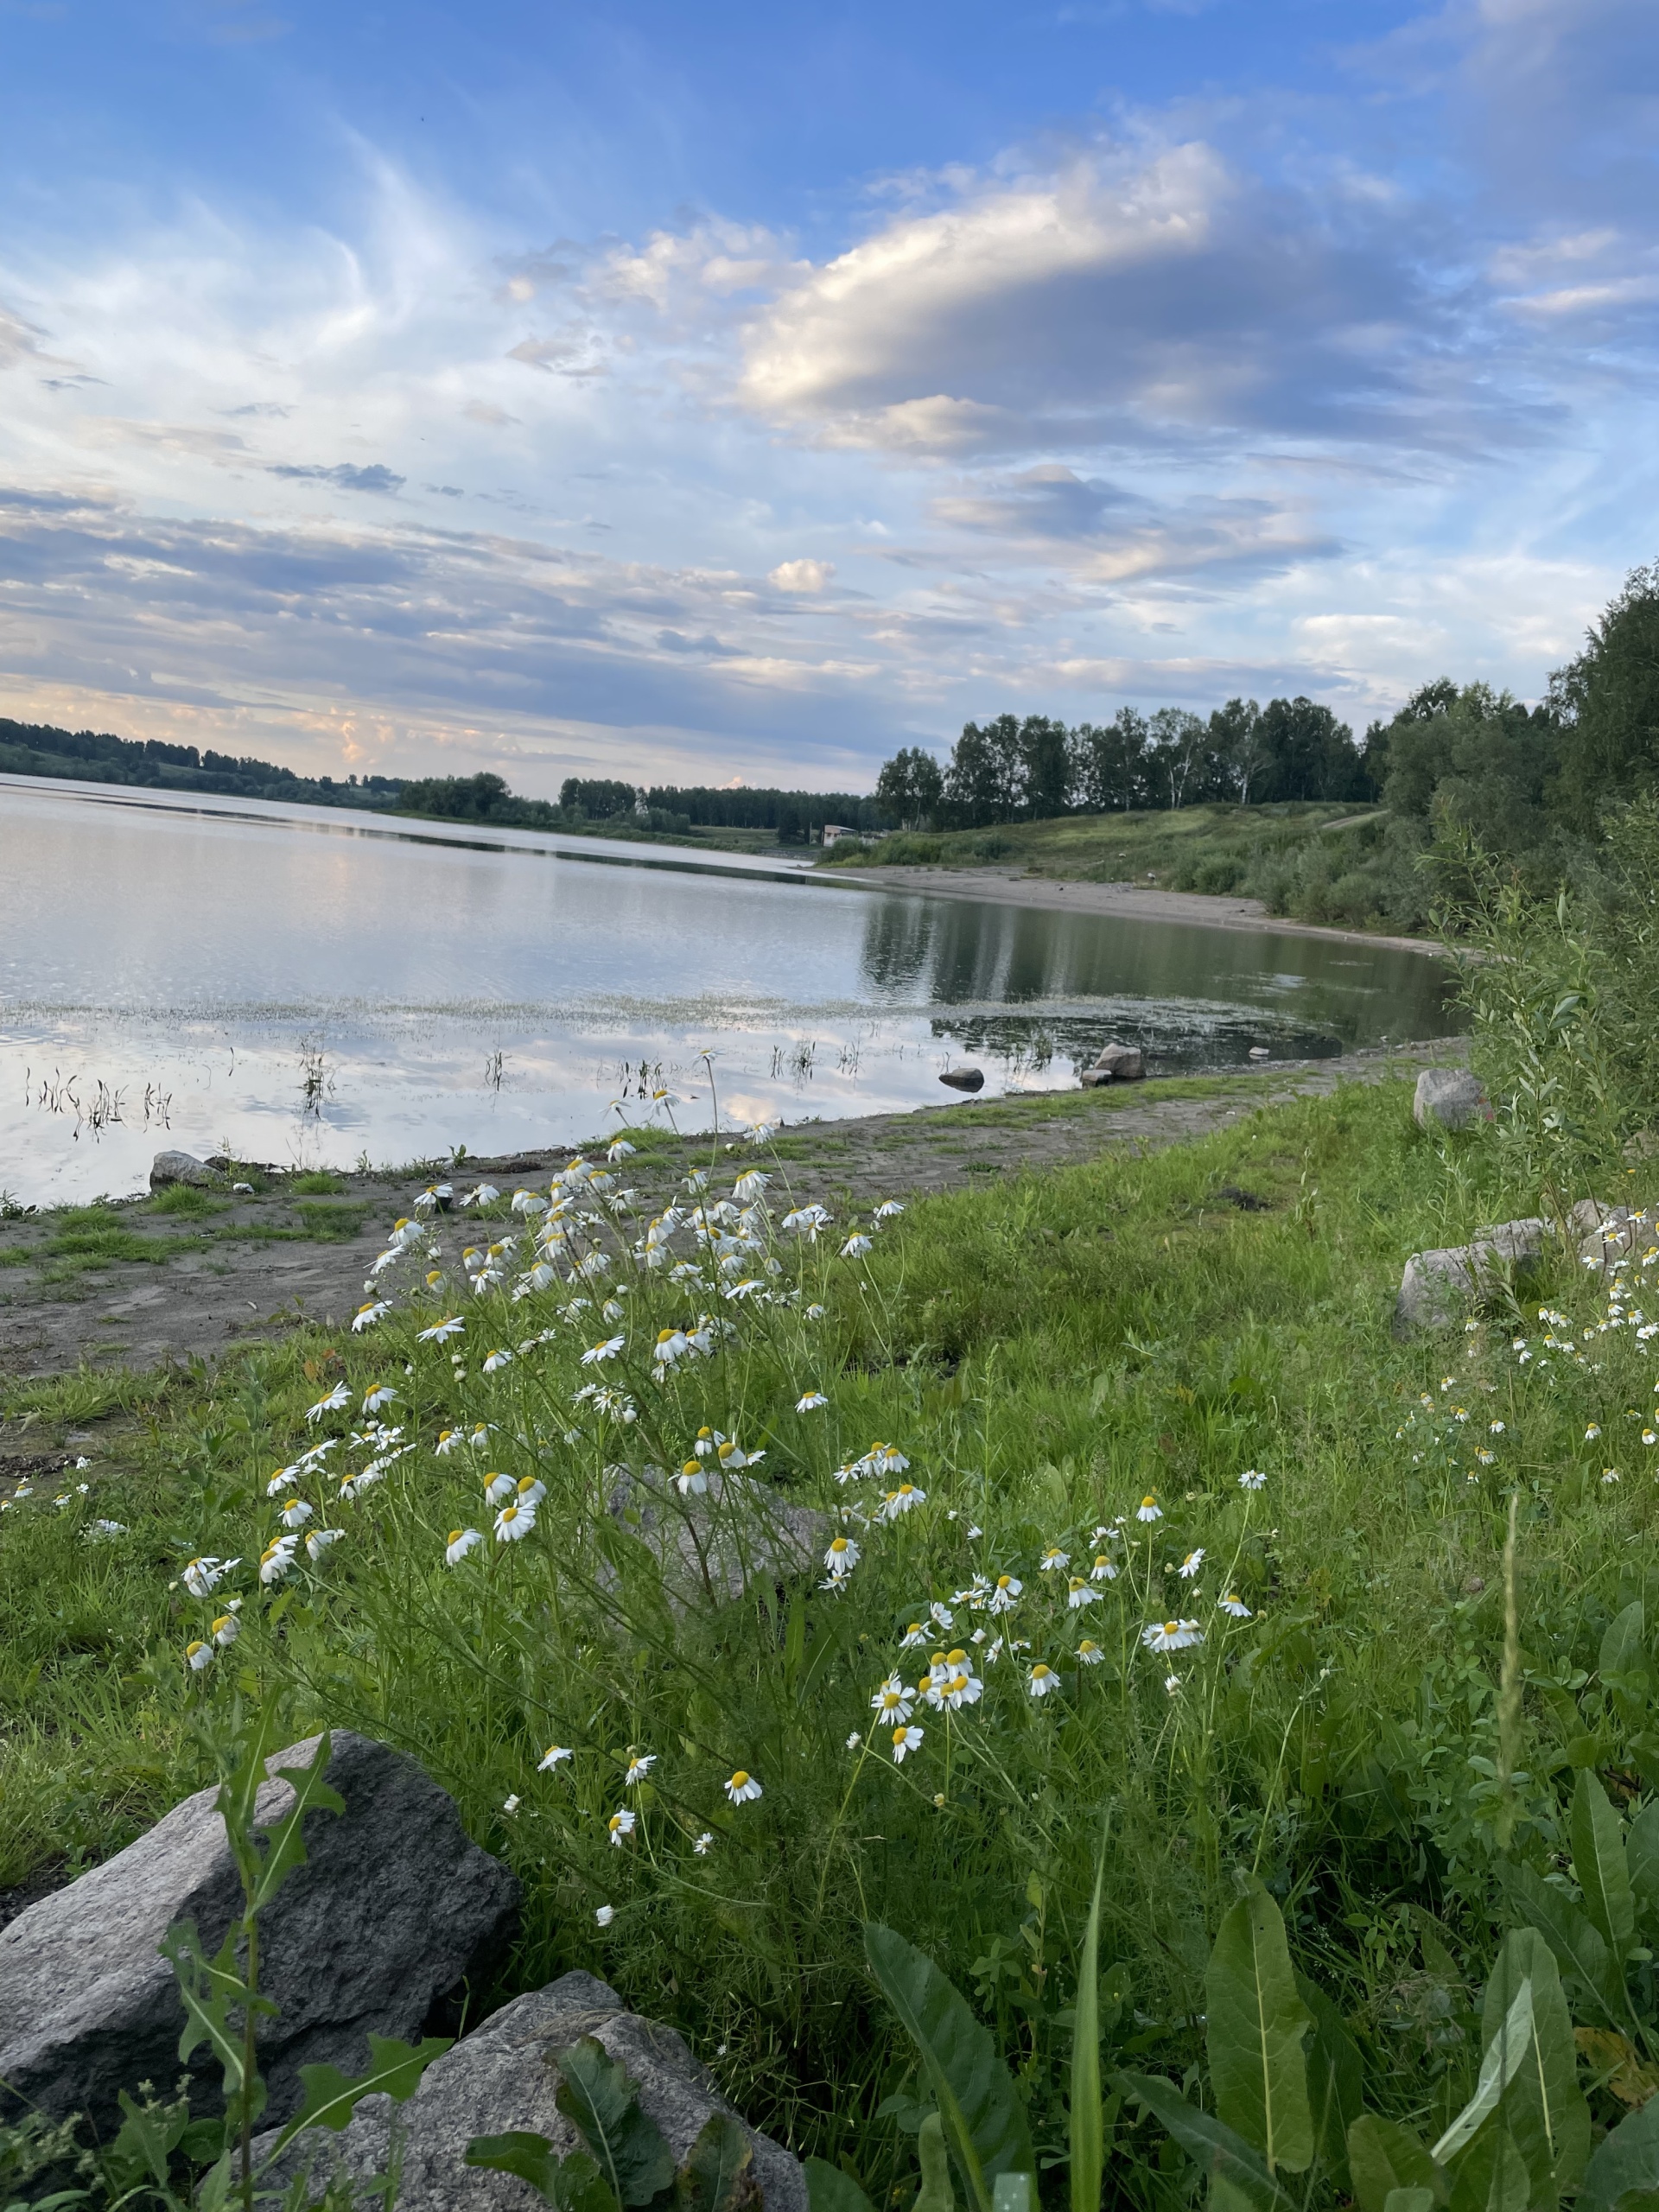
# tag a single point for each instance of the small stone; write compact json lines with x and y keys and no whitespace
{"x":1450,"y":1098}
{"x":715,"y":1545}
{"x":1120,"y":1064}
{"x":1609,"y":1233}
{"x":502,"y":2078}
{"x":394,"y":1906}
{"x":180,"y":1167}
{"x":964,"y":1078}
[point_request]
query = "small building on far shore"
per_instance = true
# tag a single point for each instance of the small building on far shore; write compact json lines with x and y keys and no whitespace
{"x":835,"y":831}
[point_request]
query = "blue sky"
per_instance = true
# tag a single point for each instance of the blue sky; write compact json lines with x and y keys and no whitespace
{"x":743,"y":392}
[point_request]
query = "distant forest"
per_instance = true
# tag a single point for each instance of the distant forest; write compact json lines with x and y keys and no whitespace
{"x":93,"y":756}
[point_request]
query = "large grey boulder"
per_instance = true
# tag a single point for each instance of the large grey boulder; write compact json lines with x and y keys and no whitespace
{"x":1450,"y":1098}
{"x":170,"y":1167}
{"x":1116,"y":1064}
{"x":505,"y":2076}
{"x":395,"y":1905}
{"x":1437,"y":1286}
{"x":714,"y":1545}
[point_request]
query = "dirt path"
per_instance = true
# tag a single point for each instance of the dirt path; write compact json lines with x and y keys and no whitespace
{"x":1138,"y":902}
{"x":148,"y":1280}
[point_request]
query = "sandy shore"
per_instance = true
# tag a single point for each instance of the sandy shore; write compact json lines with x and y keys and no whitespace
{"x":1137,"y":902}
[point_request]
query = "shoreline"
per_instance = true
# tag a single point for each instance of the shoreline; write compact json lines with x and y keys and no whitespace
{"x":1131,"y":902}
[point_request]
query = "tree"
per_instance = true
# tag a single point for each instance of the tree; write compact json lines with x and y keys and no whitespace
{"x":1310,"y":754}
{"x":1239,"y":747}
{"x":1109,"y":762}
{"x":1045,"y":766}
{"x":1607,"y":701}
{"x":601,"y":799}
{"x":910,"y":787}
{"x":985,"y":780}
{"x":1178,"y":740}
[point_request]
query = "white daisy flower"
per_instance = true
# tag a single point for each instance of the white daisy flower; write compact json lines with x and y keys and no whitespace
{"x":810,"y":1400}
{"x":640,"y":1766}
{"x":340,"y":1396}
{"x":554,"y":1756}
{"x":1253,"y":1478}
{"x":1103,"y":1570}
{"x":596,"y":1355}
{"x":893,"y":1701}
{"x":619,"y":1826}
{"x":1041,"y":1680}
{"x":742,"y":1788}
{"x":1231,"y":1602}
{"x":1172,"y":1636}
{"x":202,"y":1576}
{"x":906,"y":1740}
{"x":1053,"y":1560}
{"x":367,"y":1316}
{"x":605,"y":1914}
{"x":511,"y":1805}
{"x":1080,"y":1593}
{"x":1004,"y":1594}
{"x":1190,"y":1564}
{"x":1090,"y":1653}
{"x":295,"y":1513}
{"x":198,"y":1655}
{"x":377,"y":1394}
{"x":461,"y":1541}
{"x":514,"y":1523}
{"x":841,"y":1557}
{"x":496,"y":1360}
{"x":319,"y":1541}
{"x":856,"y":1247}
{"x":1150,"y":1509}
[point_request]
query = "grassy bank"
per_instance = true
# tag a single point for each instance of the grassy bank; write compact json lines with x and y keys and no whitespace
{"x":1048,"y":1355}
{"x":1319,"y":862}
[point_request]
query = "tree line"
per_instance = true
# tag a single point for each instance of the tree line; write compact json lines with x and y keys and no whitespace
{"x":96,"y":756}
{"x":1026,"y":770}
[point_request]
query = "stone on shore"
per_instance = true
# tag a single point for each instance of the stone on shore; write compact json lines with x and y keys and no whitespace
{"x":393,"y":1907}
{"x":504,"y":2078}
{"x":964,"y":1078}
{"x":714,"y":1545}
{"x":1437,"y":1287}
{"x":169,"y":1168}
{"x":1116,"y":1064}
{"x":1450,"y":1098}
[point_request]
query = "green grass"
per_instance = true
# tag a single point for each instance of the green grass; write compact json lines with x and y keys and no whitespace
{"x":332,"y":1224}
{"x":316,"y":1183}
{"x":186,"y":1201}
{"x":1046,"y":1352}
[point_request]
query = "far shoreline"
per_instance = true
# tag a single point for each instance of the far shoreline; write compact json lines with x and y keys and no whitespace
{"x":1133,"y":902}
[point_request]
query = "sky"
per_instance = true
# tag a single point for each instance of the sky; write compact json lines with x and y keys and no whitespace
{"x":741,"y":392}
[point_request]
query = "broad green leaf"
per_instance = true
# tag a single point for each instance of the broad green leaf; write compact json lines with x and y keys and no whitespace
{"x":1014,"y":2192}
{"x":1579,"y":1950}
{"x":936,"y":2194}
{"x":1627,"y":2160}
{"x":1409,"y":2200}
{"x":1543,"y":2108}
{"x":1491,"y":2176}
{"x":1253,"y":2035}
{"x":147,"y":2141}
{"x":1623,"y":1667}
{"x":1216,"y":2151}
{"x":1383,"y":2156}
{"x":717,"y":2173}
{"x":984,"y":2121}
{"x":1088,"y":2144}
{"x":213,"y":2190}
{"x":1641,"y":1857}
{"x":1596,"y":1834}
{"x":597,"y":2095}
{"x":331,"y":2097}
{"x":520,"y":2151}
{"x":829,"y":2189}
{"x":1506,"y":2053}
{"x":285,"y":1842}
{"x":1335,"y":2081}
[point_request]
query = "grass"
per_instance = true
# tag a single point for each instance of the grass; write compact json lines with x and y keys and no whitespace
{"x":186,"y":1201}
{"x":1047,"y":1353}
{"x":316,"y":1183}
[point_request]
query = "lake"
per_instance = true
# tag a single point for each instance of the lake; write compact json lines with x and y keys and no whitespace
{"x":314,"y":987}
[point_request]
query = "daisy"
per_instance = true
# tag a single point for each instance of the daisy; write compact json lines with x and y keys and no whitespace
{"x":295,"y":1513}
{"x":856,"y":1247}
{"x":596,"y":1354}
{"x":1090,"y":1653}
{"x":1006,"y":1590}
{"x":338,"y":1397}
{"x":692,"y":1481}
{"x":620,"y":1150}
{"x":377,"y":1394}
{"x":318,"y":1541}
{"x":640,"y":1766}
{"x":277,"y":1559}
{"x":1233,"y":1604}
{"x":1041,"y":1680}
{"x":1150,"y":1509}
{"x":1053,"y":1560}
{"x":496,"y":1359}
{"x":670,"y":1344}
{"x":514,"y":1522}
{"x":461,"y":1541}
{"x":1191,"y":1564}
{"x":962,"y":1687}
{"x":620,"y":1827}
{"x":1080,"y":1593}
{"x":1253,"y":1478}
{"x":914,"y":1637}
{"x":841,"y":1557}
{"x":497,"y":1489}
{"x":894,"y":1700}
{"x":905,"y":1740}
{"x":367,"y":1316}
{"x":554,"y":1756}
{"x":1171,"y":1635}
{"x":742,"y":1788}
{"x":531,"y":1491}
{"x":1592,"y":1431}
{"x":810,"y":1400}
{"x":198,"y":1655}
{"x":904,"y":1499}
{"x":1103,"y":1570}
{"x":202,"y":1576}
{"x":889,"y":1210}
{"x":511,"y":1805}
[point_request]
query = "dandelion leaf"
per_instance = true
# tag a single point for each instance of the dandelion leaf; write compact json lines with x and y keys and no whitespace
{"x":1641,"y":1857}
{"x":1577,"y":1943}
{"x":598,"y":2097}
{"x":1624,"y":1665}
{"x":331,"y":2097}
{"x":1625,"y":2164}
{"x":1491,"y":2175}
{"x":574,"y":2184}
{"x":936,"y":2193}
{"x":829,"y":2189}
{"x":984,"y":2121}
{"x":1383,"y":2156}
{"x":1598,"y":1863}
{"x":1253,"y":2035}
{"x":1542,"y":2106}
{"x":1218,"y":2151}
{"x":717,"y":2173}
{"x":1335,"y":2081}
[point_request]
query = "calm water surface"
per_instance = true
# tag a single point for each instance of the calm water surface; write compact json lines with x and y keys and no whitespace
{"x":311,"y":987}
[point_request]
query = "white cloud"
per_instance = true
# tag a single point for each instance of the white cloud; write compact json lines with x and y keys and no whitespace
{"x":806,"y":577}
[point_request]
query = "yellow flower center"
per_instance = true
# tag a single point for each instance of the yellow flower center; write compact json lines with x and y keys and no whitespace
{"x":739,"y":1779}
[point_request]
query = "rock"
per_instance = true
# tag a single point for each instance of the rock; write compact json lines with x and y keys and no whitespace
{"x":180,"y":1167}
{"x":394,"y":1905}
{"x":1119,"y":1064}
{"x":1607,"y":1234}
{"x":964,"y":1078}
{"x":719,"y":1542}
{"x":1437,"y":1286}
{"x":503,"y":2077}
{"x":1451,"y":1097}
